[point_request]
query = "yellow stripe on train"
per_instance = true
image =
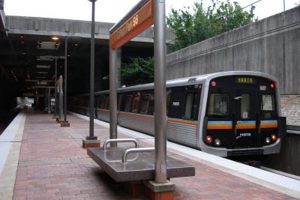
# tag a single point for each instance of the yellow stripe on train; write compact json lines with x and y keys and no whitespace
{"x":245,"y":126}
{"x":219,"y":126}
{"x":273,"y":125}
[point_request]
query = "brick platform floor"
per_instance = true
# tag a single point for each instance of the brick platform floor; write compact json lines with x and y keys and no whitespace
{"x":53,"y":165}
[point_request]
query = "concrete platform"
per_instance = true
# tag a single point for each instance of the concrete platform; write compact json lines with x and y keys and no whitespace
{"x":51,"y":164}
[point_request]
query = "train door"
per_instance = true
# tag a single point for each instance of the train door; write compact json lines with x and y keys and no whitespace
{"x":232,"y":118}
{"x":245,"y":122}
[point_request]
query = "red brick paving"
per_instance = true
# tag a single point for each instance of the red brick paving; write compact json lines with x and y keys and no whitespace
{"x":53,"y":165}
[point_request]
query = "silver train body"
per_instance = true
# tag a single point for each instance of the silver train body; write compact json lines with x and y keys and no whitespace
{"x":226,"y":114}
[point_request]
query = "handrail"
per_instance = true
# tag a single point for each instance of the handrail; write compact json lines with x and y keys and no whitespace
{"x":123,"y":140}
{"x":135,"y":150}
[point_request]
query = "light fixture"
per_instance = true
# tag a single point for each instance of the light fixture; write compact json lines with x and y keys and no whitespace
{"x":43,"y":66}
{"x":55,"y":38}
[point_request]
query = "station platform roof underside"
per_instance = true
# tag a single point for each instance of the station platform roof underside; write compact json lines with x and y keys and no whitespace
{"x":28,"y":51}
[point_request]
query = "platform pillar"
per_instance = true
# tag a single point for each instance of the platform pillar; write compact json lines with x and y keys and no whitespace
{"x":135,"y":188}
{"x":92,"y":140}
{"x":60,"y":100}
{"x":65,"y":122}
{"x":91,"y":143}
{"x":114,"y":66}
{"x":159,"y":191}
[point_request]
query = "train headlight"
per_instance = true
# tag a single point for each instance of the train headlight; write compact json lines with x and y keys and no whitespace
{"x":273,"y":137}
{"x":217,"y":142}
{"x":268,"y":140}
{"x":208,"y":139}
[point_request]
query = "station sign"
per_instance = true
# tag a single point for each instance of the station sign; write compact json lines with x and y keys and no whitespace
{"x":133,"y":24}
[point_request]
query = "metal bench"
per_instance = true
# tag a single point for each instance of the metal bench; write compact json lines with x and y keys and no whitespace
{"x":135,"y":164}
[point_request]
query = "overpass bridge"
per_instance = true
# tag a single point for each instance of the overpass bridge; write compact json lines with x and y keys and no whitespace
{"x":28,"y":50}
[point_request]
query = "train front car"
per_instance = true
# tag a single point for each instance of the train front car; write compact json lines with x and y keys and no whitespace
{"x":242,"y":115}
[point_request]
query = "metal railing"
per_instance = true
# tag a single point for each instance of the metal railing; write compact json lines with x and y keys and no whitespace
{"x":121,"y":140}
{"x":135,"y":150}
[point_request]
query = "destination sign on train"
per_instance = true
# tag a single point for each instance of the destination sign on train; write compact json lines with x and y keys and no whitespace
{"x":134,"y":25}
{"x":245,"y":80}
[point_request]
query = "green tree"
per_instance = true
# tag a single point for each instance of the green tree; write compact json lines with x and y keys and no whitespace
{"x":205,"y":23}
{"x":138,"y":71}
{"x":190,"y":29}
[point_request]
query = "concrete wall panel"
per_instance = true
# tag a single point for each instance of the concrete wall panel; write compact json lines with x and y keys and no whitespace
{"x":47,"y":26}
{"x":292,"y":61}
{"x":1,"y":4}
{"x":271,"y":45}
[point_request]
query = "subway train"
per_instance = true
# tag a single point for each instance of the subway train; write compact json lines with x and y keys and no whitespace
{"x":233,"y":113}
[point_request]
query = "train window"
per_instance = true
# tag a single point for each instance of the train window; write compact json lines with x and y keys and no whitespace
{"x":268,"y":106}
{"x":188,"y":105}
{"x":101,"y":99}
{"x":245,"y":106}
{"x":122,"y":102}
{"x":151,"y":105}
{"x":136,"y":102}
{"x":97,"y":101}
{"x":267,"y":103}
{"x":120,"y":97}
{"x":105,"y":102}
{"x":177,"y":105}
{"x":169,"y":92}
{"x":128,"y":100}
{"x":191,"y":106}
{"x":145,"y":103}
{"x":218,"y":105}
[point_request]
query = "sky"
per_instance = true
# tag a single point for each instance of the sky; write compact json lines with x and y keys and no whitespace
{"x":114,"y":10}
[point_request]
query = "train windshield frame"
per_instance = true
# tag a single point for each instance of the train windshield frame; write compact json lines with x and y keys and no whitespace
{"x":242,"y":89}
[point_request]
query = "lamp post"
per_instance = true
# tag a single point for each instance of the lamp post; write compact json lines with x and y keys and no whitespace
{"x":91,"y":140}
{"x":65,"y":123}
{"x":55,"y":89}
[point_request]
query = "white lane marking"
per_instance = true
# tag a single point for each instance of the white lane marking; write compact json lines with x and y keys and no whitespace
{"x":11,"y":135}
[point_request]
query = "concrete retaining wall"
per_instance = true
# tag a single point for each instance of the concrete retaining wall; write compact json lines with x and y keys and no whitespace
{"x":1,"y":4}
{"x":287,"y":160}
{"x":271,"y":45}
{"x":74,"y":28}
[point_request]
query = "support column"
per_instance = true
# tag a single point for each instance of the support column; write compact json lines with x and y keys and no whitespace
{"x":61,"y":95}
{"x":91,"y":140}
{"x":55,"y":89}
{"x":160,"y":92}
{"x":49,"y":100}
{"x":114,"y":66}
{"x":65,"y":123}
{"x":160,"y":188}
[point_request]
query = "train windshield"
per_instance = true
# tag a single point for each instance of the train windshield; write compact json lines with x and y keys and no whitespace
{"x":240,"y":109}
{"x":218,"y":104}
